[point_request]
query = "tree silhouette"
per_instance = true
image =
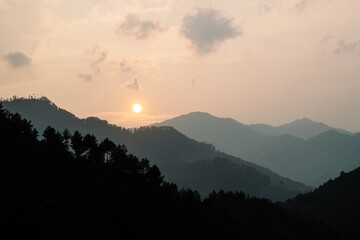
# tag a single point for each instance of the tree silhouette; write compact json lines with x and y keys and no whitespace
{"x":77,"y":144}
{"x":66,"y":136}
{"x":52,"y":192}
{"x":106,"y":146}
{"x":154,"y":175}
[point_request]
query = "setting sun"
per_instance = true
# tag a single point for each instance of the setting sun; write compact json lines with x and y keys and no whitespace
{"x":137,"y":108}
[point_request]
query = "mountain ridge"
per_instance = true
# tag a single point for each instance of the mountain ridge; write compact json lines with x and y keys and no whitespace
{"x":167,"y":148}
{"x":70,"y":186}
{"x":311,"y":161}
{"x":267,"y":128}
{"x":304,"y":128}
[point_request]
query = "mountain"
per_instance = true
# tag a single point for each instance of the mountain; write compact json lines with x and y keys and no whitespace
{"x":336,"y":202}
{"x":316,"y":160}
{"x":226,"y":134}
{"x":184,"y":161}
{"x":301,"y":128}
{"x":312,"y":161}
{"x":69,"y":186}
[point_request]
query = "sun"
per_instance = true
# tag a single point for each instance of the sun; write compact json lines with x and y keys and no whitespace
{"x":137,"y":108}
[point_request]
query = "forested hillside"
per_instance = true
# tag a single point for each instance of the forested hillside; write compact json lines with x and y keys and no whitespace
{"x":178,"y":156}
{"x":336,"y":202}
{"x":304,"y":150}
{"x":70,"y":186}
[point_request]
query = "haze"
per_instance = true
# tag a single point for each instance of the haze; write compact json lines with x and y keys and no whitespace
{"x":255,"y":61}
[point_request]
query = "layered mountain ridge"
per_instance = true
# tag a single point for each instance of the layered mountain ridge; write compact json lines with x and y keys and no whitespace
{"x":184,"y":161}
{"x":312,"y":161}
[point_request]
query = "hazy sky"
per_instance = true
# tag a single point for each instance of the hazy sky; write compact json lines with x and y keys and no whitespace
{"x":269,"y":61}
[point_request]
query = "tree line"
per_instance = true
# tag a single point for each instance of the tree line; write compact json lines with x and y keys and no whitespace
{"x":64,"y":185}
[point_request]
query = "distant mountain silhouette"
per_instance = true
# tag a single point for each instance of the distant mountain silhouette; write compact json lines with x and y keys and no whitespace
{"x":226,"y":134}
{"x":316,"y":160}
{"x":336,"y":202}
{"x":302,"y":128}
{"x":311,"y":161}
{"x":182,"y":160}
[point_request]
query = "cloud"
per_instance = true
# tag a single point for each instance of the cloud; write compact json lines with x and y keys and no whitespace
{"x":134,"y":85}
{"x":98,"y":58}
{"x":86,"y":77}
{"x":265,"y":9}
{"x":344,"y":48}
{"x":326,"y":38}
{"x":207,"y":29}
{"x":17,"y":59}
{"x":302,"y":4}
{"x":133,"y":26}
{"x":102,"y":66}
{"x":125,"y":65}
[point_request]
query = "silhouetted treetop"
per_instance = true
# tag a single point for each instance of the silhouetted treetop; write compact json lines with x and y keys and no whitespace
{"x":51,"y":190}
{"x":174,"y":153}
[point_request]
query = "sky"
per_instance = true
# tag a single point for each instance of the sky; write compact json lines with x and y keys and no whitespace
{"x":257,"y":61}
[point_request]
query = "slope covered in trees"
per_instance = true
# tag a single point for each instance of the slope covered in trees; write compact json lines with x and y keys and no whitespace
{"x":178,"y":156}
{"x":337,"y":202}
{"x":323,"y":155}
{"x":70,"y":186}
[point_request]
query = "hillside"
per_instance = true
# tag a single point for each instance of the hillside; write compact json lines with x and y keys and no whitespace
{"x":316,"y":160}
{"x":312,"y":161}
{"x":177,"y":155}
{"x":69,"y":186}
{"x":226,"y":134}
{"x":336,"y":202}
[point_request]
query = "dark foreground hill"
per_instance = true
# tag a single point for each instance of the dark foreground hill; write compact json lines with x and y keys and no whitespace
{"x":337,"y":202}
{"x":323,"y":155}
{"x":183,"y":161}
{"x":68,"y":186}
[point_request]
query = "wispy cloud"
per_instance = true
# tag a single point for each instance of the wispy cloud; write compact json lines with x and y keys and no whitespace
{"x":102,"y":66}
{"x":17,"y":59}
{"x":207,"y":29}
{"x":302,"y":4}
{"x":133,"y":85}
{"x":125,"y":65}
{"x":86,"y":77}
{"x":97,"y":57}
{"x":326,"y":38}
{"x":140,"y":29}
{"x":346,"y":48}
{"x":265,"y":8}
